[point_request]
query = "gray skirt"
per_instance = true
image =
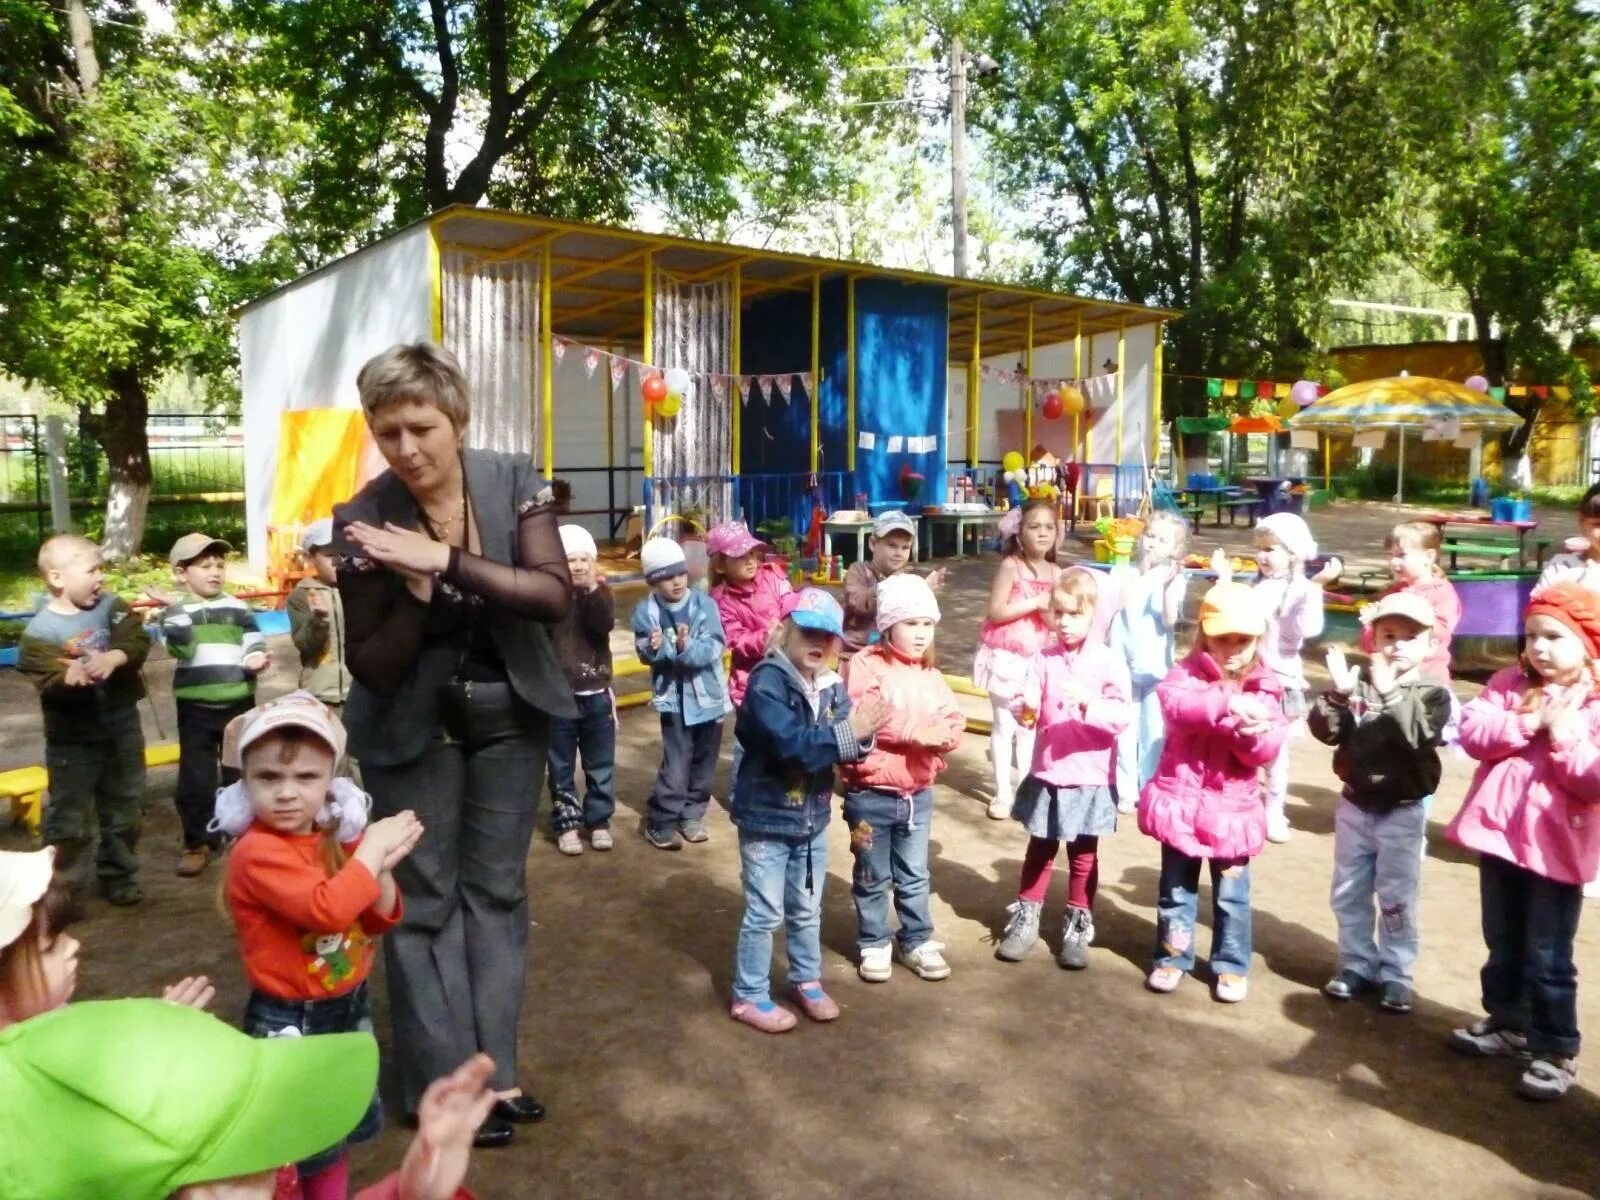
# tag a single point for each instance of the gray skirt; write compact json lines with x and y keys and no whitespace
{"x":1065,"y":813}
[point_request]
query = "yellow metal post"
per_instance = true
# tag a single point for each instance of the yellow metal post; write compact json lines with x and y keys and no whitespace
{"x":547,"y":382}
{"x":1077,"y":382}
{"x":1027,"y":388}
{"x":974,"y":386}
{"x":1327,"y":463}
{"x":1122,"y":361}
{"x":611,"y":419}
{"x":647,"y":355}
{"x":435,"y":284}
{"x":1155,"y":396}
{"x":850,"y":372}
{"x":816,"y":372}
{"x":733,"y":388}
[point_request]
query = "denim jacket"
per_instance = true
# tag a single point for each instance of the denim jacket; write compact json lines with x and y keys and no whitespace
{"x":690,"y":682}
{"x":791,"y":743}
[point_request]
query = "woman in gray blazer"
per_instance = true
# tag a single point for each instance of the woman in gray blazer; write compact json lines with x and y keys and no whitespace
{"x":450,"y":569}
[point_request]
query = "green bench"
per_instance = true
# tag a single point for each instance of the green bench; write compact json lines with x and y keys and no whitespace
{"x":1505,"y":550}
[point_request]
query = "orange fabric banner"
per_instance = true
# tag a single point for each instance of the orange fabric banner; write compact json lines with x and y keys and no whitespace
{"x":323,"y":458}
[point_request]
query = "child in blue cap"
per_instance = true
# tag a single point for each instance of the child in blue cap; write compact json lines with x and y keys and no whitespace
{"x":795,"y":725}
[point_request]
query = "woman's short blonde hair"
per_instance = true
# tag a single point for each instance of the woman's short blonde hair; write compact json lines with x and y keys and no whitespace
{"x":422,"y":371}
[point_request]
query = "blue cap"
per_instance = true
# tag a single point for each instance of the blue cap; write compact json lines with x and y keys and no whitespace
{"x":813,"y":608}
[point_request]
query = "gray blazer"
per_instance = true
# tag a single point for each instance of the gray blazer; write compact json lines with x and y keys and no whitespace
{"x":390,"y":727}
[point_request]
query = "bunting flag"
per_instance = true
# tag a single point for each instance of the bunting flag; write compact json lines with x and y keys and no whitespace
{"x":1282,"y":391}
{"x":1561,"y":393}
{"x":1518,"y":389}
{"x":1247,"y":389}
{"x":619,"y":370}
{"x":765,"y":384}
{"x":1214,"y":388}
{"x":558,"y":349}
{"x":1540,"y":391}
{"x":1264,"y":388}
{"x":719,"y":387}
{"x":785,"y":384}
{"x":805,"y":382}
{"x":744,"y":388}
{"x":1230,"y":387}
{"x":591,"y":360}
{"x":1497,"y":393}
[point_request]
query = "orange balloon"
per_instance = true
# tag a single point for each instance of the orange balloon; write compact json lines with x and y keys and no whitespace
{"x":1071,"y":401}
{"x":654,"y":389}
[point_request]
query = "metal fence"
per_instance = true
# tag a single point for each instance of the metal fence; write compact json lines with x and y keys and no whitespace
{"x":193,"y":456}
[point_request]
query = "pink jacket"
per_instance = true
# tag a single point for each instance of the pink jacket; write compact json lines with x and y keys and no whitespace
{"x":749,"y":614}
{"x":1441,"y":596}
{"x":1531,"y":802}
{"x":1073,"y":749}
{"x":1205,"y":797}
{"x":921,"y":701}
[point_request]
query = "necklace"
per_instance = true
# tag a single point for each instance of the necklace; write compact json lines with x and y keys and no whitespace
{"x":443,"y":529}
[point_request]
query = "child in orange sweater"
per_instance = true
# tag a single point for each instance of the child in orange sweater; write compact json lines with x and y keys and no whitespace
{"x":888,"y":800}
{"x":310,"y":887}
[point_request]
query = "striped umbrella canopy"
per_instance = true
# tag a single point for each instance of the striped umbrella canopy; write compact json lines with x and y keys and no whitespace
{"x":1403,"y":402}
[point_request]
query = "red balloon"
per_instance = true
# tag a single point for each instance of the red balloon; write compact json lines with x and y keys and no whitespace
{"x":654,"y":389}
{"x":1052,"y":406}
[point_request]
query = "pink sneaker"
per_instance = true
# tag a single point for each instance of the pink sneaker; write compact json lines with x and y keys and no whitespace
{"x":765,"y":1016}
{"x":815,"y":1002}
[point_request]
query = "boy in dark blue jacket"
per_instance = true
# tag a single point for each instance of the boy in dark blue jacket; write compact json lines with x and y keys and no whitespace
{"x":795,"y":725}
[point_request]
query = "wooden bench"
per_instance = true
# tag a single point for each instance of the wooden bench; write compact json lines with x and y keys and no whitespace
{"x":25,"y":787}
{"x":1505,"y":550}
{"x":1249,"y":503}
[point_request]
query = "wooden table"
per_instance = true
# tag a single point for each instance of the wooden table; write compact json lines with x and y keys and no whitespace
{"x":1270,"y":487}
{"x":961,"y":522}
{"x":1209,"y":495}
{"x":1487,"y":525}
{"x":860,"y":530}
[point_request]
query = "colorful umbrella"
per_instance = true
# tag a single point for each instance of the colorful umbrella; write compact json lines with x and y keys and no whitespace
{"x":1402,"y":403}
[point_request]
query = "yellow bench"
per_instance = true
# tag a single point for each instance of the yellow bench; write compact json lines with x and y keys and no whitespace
{"x":25,"y":787}
{"x":164,"y":755}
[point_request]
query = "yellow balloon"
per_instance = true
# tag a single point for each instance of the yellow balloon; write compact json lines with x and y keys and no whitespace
{"x":1071,"y":401}
{"x":1287,"y":409}
{"x":669,"y":404}
{"x":1013,"y":461}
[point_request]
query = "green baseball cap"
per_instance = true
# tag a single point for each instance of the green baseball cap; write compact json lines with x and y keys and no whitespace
{"x":138,"y":1098}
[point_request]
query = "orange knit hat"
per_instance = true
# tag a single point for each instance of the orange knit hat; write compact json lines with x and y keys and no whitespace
{"x":1576,"y":607}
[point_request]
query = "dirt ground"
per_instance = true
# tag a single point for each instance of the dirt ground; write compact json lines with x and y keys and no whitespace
{"x":1006,"y":1081}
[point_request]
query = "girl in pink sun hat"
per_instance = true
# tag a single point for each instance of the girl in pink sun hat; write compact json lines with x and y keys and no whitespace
{"x":749,"y":593}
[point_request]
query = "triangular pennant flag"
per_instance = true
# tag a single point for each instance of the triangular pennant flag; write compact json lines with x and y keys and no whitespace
{"x":719,"y":387}
{"x":1264,"y":388}
{"x":744,"y":388}
{"x":1540,"y":391}
{"x":1561,"y":392}
{"x":1497,"y":393}
{"x":1213,"y":388}
{"x":765,"y":383}
{"x":558,"y":348}
{"x":1247,"y":389}
{"x":785,"y":385}
{"x":1230,"y":387}
{"x":619,"y":371}
{"x":591,"y":360}
{"x":1518,"y":389}
{"x":1282,"y":391}
{"x":805,"y":381}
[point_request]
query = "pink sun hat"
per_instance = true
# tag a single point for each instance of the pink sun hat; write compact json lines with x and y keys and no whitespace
{"x":733,"y":539}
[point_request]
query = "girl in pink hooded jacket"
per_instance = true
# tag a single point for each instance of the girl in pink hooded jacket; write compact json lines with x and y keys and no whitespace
{"x":1531,"y":814}
{"x":748,"y":591}
{"x":888,"y":802}
{"x":1078,"y":692}
{"x":1223,"y":709}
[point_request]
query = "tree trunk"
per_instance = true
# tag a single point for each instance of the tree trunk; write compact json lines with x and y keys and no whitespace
{"x":122,"y":433}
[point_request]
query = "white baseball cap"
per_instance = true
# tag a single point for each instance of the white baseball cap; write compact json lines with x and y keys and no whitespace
{"x":317,"y":534}
{"x":1409,"y":605}
{"x":891,"y":521}
{"x":299,"y":709}
{"x":24,"y":878}
{"x":575,"y":539}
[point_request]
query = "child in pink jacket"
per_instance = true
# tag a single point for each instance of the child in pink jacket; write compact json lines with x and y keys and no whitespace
{"x":748,"y":591}
{"x":1531,"y":814}
{"x":1078,"y":696}
{"x":888,"y":801}
{"x":1223,"y":709}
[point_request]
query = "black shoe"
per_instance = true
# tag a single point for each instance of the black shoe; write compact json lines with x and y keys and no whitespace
{"x":1396,"y":997}
{"x":1346,"y":985}
{"x":124,"y":895}
{"x":520,"y":1110}
{"x":493,"y":1133}
{"x":663,"y":839}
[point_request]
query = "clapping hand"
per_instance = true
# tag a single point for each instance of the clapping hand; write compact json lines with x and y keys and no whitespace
{"x":1562,"y":718}
{"x":192,"y":991}
{"x":101,"y":665}
{"x":683,"y":638}
{"x":256,"y":662}
{"x":868,"y":717}
{"x":1222,"y":565}
{"x":1331,"y":570}
{"x":76,"y":673}
{"x":388,"y":841}
{"x":447,"y":1120}
{"x":1344,"y":677}
{"x":407,"y":551}
{"x":1250,"y":713}
{"x":935,"y":579}
{"x":655,"y":637}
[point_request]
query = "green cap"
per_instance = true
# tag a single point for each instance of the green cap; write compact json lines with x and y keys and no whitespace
{"x":138,"y":1098}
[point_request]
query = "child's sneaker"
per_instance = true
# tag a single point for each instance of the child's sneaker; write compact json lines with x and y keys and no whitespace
{"x":1021,"y":931}
{"x":694,"y":832}
{"x":1128,"y":804}
{"x":1231,"y":988}
{"x":1076,"y":936}
{"x":1278,"y":829}
{"x":1164,"y":979}
{"x":600,"y":838}
{"x":1000,"y":808}
{"x":763,"y":1015}
{"x":1487,"y":1040}
{"x":815,"y":1002}
{"x":876,"y":966}
{"x":1346,"y":985}
{"x":193,"y":861}
{"x":1548,"y":1078}
{"x":926,"y":961}
{"x":568,"y":842}
{"x":662,"y":839}
{"x":1396,"y":997}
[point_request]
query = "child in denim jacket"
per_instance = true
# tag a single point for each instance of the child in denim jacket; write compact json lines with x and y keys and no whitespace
{"x":678,"y":633}
{"x":796,"y":723}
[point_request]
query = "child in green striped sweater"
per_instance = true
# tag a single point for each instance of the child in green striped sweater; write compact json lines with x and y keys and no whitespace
{"x":219,"y":653}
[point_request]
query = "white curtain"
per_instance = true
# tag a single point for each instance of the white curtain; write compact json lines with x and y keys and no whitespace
{"x":694,"y":449}
{"x":491,"y":322}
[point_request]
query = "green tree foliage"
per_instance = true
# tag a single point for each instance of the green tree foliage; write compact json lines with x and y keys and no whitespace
{"x":560,"y":107}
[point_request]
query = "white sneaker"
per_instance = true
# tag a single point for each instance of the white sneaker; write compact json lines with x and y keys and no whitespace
{"x":999,"y":808}
{"x":927,"y":961}
{"x":1127,"y":805}
{"x":600,"y":839}
{"x":1278,"y":829}
{"x":568,"y":842}
{"x":876,"y":965}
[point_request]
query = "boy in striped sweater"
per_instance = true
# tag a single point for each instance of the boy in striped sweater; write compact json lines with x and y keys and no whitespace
{"x":219,"y":653}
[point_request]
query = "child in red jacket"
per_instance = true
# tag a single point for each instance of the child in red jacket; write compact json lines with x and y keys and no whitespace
{"x":889,"y":794}
{"x":748,"y":591}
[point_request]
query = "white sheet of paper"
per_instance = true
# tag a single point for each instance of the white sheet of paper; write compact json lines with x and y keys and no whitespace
{"x":867,"y":441}
{"x":1469,"y":439}
{"x":1370,"y":439}
{"x":1304,"y":439}
{"x":895,"y":444}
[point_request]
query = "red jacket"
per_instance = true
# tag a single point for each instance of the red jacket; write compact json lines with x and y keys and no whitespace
{"x":921,"y":701}
{"x":749,"y":614}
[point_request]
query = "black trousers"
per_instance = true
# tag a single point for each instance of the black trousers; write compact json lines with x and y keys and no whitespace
{"x":200,"y":770}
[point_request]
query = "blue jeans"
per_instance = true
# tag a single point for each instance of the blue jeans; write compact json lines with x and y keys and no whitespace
{"x":1139,"y":744}
{"x":774,"y":871}
{"x":1179,"y":901}
{"x":1530,"y":983}
{"x":593,"y":734}
{"x":268,"y":1016}
{"x":1376,"y":853}
{"x":889,"y":839}
{"x":689,"y":756}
